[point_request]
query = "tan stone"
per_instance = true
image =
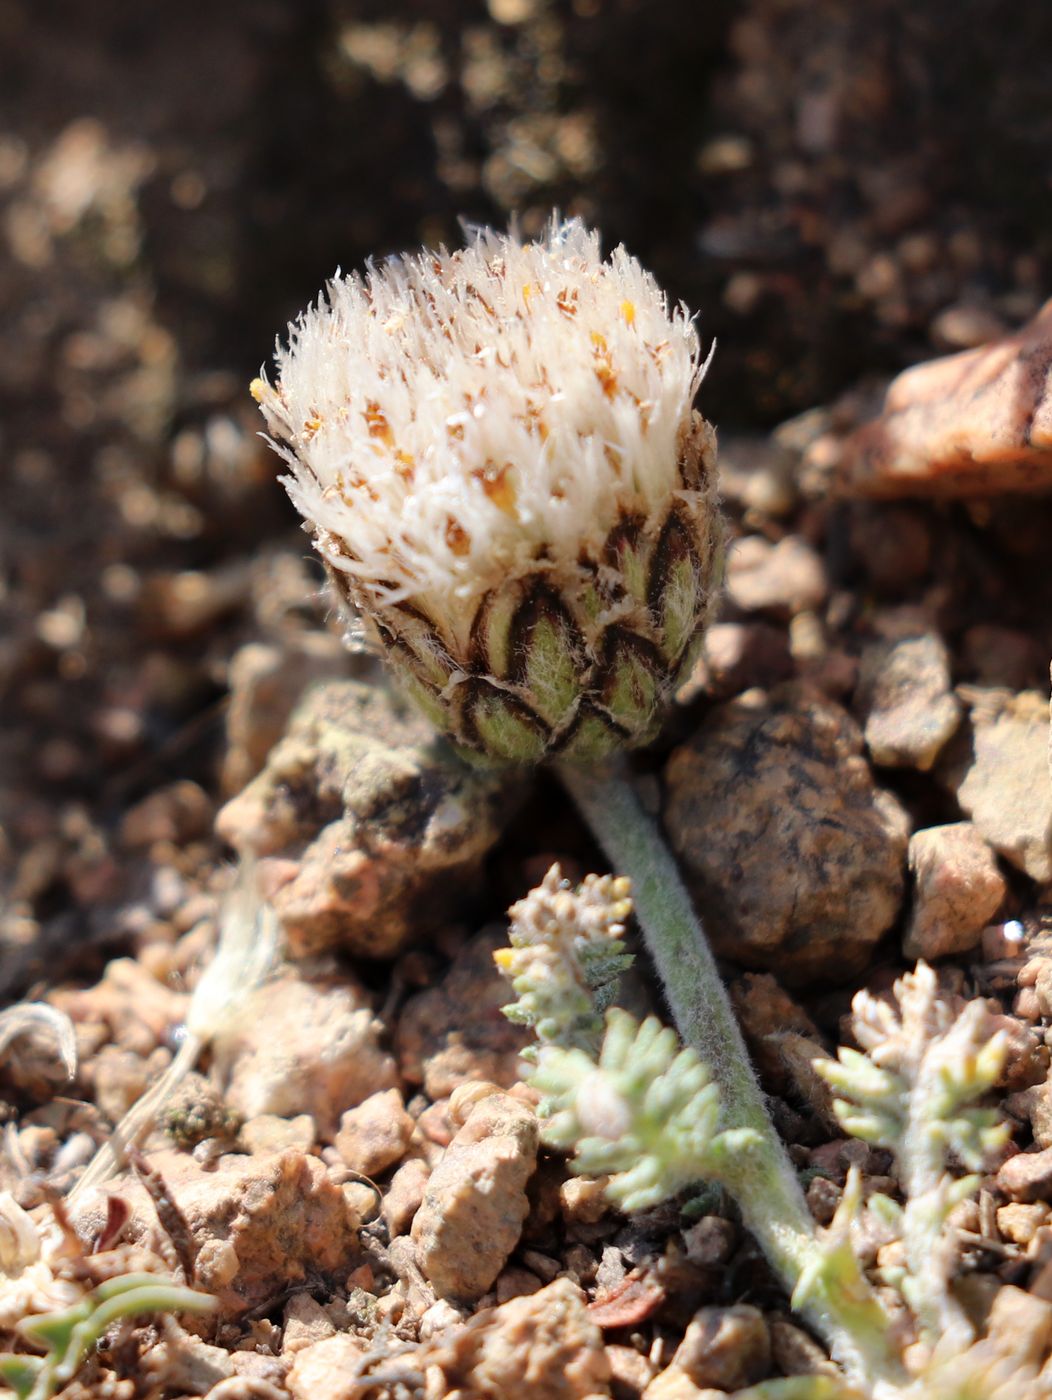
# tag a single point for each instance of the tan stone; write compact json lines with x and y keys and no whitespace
{"x":375,"y":1135}
{"x":1002,"y":781}
{"x":545,"y":1345}
{"x":957,"y":890}
{"x":1019,"y":1223}
{"x":974,"y":424}
{"x":726,"y":1348}
{"x":328,"y":1368}
{"x":306,"y":1322}
{"x":475,"y":1203}
{"x":405,"y":1195}
{"x":369,"y":832}
{"x":1027,"y":1176}
{"x":259,"y":1224}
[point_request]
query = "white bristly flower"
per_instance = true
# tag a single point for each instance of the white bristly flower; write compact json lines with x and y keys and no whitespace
{"x":497,"y":454}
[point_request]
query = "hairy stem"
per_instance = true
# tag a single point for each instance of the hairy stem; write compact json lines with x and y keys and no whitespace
{"x":765,"y":1185}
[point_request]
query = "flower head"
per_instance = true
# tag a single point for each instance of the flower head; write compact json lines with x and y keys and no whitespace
{"x":496,"y":452}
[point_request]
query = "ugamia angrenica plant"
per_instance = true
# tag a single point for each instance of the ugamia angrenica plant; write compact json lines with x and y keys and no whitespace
{"x":633,"y":1104}
{"x":497,"y":454}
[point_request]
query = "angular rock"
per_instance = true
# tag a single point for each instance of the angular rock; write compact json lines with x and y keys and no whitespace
{"x":542,"y":1345}
{"x":258,"y":1224}
{"x":375,"y":1135}
{"x":370,"y":828}
{"x":329,"y":1368}
{"x":974,"y":424}
{"x":456,"y":1032}
{"x":674,"y":1384}
{"x":905,"y":701}
{"x":475,"y":1203}
{"x":405,"y":1195}
{"x":957,"y":888}
{"x":269,"y":1133}
{"x":795,"y":857}
{"x":783,"y":578}
{"x":1020,"y":1326}
{"x":725,"y":1348}
{"x":303,"y":1048}
{"x":1027,"y":1176}
{"x":305,"y":1323}
{"x":1001,"y":779}
{"x":1020,"y":1223}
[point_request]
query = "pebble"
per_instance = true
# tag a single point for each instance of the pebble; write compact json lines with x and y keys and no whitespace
{"x":781,"y":579}
{"x":475,"y":1202}
{"x":757,"y":474}
{"x":905,"y":702}
{"x":1035,"y":1104}
{"x":267,"y":1132}
{"x":957,"y":889}
{"x":1002,"y":781}
{"x":329,"y":1368}
{"x":259,"y":1224}
{"x":121,"y":1077}
{"x":973,"y":424}
{"x":630,"y":1371}
{"x":710,"y":1241}
{"x":542,"y":1345}
{"x":184,"y":1364}
{"x":305,"y":1323}
{"x":370,"y":831}
{"x":325,"y":1058}
{"x":375,"y":1135}
{"x":516,"y":1283}
{"x":1027,"y":1176}
{"x":1019,"y":1223}
{"x":725,"y":1348}
{"x":795,"y":1353}
{"x":795,"y":857}
{"x":582,"y":1199}
{"x":441,"y":1047}
{"x":1020,"y":1326}
{"x":766,"y":1013}
{"x":674,"y":1384}
{"x":405,"y":1195}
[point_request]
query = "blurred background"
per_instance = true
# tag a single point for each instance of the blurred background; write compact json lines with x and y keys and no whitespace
{"x":838,"y":187}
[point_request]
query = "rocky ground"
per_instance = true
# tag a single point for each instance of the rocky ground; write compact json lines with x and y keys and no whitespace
{"x":855,"y":775}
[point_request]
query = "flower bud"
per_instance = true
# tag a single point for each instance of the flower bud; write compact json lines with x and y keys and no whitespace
{"x":496,"y":453}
